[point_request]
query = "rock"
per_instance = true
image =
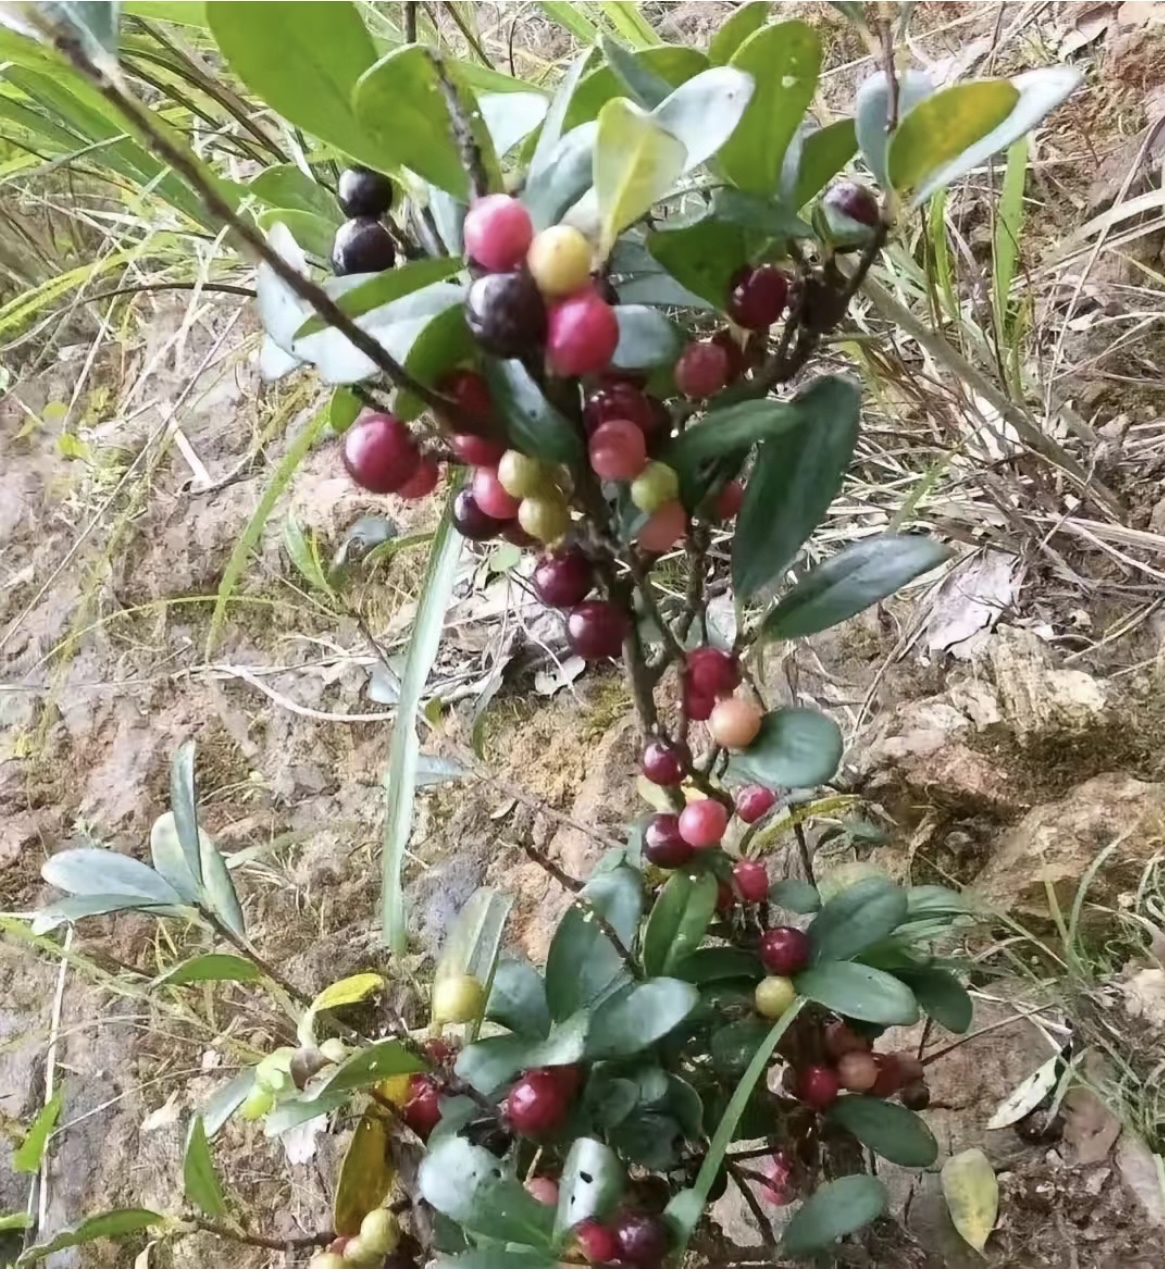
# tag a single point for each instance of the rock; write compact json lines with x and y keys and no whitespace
{"x":1056,"y":843}
{"x":1036,"y":699}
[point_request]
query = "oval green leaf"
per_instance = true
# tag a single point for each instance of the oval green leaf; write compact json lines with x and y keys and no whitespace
{"x":941,"y":995}
{"x":200,"y":1179}
{"x":371,"y":1065}
{"x":704,"y":112}
{"x":635,"y":163}
{"x":517,"y":999}
{"x":111,"y":1223}
{"x":796,"y":746}
{"x":871,"y":111}
{"x":732,"y":34}
{"x":865,"y":993}
{"x":893,"y":1132}
{"x":531,"y":423}
{"x":702,"y":257}
{"x":98,"y":872}
{"x":857,"y":577}
{"x":591,"y":1184}
{"x":718,"y":963}
{"x":856,"y":918}
{"x":835,"y":1210}
{"x":646,"y":338}
{"x":678,"y":920}
{"x":210,"y":967}
{"x":628,"y":1022}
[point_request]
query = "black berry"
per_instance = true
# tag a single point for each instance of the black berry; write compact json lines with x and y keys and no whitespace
{"x":506,"y":314}
{"x":362,"y":246}
{"x":362,"y":192}
{"x":471,"y":521}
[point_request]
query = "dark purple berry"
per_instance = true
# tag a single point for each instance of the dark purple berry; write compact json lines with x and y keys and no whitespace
{"x":362,"y":192}
{"x":562,"y":579}
{"x":858,"y":202}
{"x":469,"y":519}
{"x":757,"y":296}
{"x":663,"y":845}
{"x":665,"y":763}
{"x":643,"y":1240}
{"x":362,"y":246}
{"x":506,"y":314}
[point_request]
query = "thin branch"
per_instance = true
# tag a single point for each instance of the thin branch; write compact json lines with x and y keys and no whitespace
{"x":198,"y":1223}
{"x":806,"y":855}
{"x":230,"y":289}
{"x":411,"y":7}
{"x":762,"y":1220}
{"x":472,"y":159}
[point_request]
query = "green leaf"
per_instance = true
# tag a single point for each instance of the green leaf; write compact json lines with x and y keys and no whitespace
{"x":647,"y":89}
{"x":635,"y":163}
{"x":371,"y":1065}
{"x":304,"y":61}
{"x":734,"y":1045}
{"x":99,"y":872}
{"x":724,"y":435}
{"x":796,"y":477}
{"x":111,"y":1223}
{"x":582,"y":966}
{"x":469,"y":1185}
{"x":471,"y":948}
{"x":313,"y":233}
{"x":400,"y":779}
{"x":871,"y":114}
{"x":795,"y":895}
{"x":626,"y":1023}
{"x":942,"y":996}
{"x":716,"y":963}
{"x":304,"y":555}
{"x":627,"y":22}
{"x":200,"y":1179}
{"x":184,"y":808}
{"x":442,"y":345}
{"x":796,"y":746}
{"x":893,"y":1132}
{"x":284,"y":185}
{"x":656,"y":71}
{"x":210,"y":967}
{"x":571,"y":18}
{"x":400,"y":106}
{"x":489,"y":1064}
{"x":343,"y":408}
{"x":382,"y":289}
{"x":835,"y":1210}
{"x":554,"y":124}
{"x":26,"y":1159}
{"x":785,"y":60}
{"x":705,"y":111}
{"x":855,"y":919}
{"x":517,"y":999}
{"x":933,"y":899}
{"x":865,"y":993}
{"x":366,"y":1174}
{"x":703,"y":257}
{"x":531,"y":423}
{"x":765,"y":215}
{"x":824,"y":153}
{"x":732,"y":34}
{"x":972,"y":1195}
{"x":591,"y":1184}
{"x":511,"y":117}
{"x":859,"y":576}
{"x":225,"y":1100}
{"x":17,"y":1222}
{"x":646,"y":338}
{"x":218,"y":887}
{"x":567,"y":176}
{"x":678,"y":920}
{"x":291,"y":1113}
{"x":936,"y":136}
{"x":649,"y":1138}
{"x":70,"y":909}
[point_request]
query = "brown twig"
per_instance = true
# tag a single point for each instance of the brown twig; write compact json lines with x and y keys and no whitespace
{"x":198,"y":1223}
{"x":411,"y":7}
{"x":742,"y":1180}
{"x":806,"y":855}
{"x":472,"y":159}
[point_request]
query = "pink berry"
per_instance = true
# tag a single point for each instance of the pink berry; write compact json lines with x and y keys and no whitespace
{"x":713,"y":672}
{"x":379,"y":453}
{"x":498,"y":232}
{"x":663,"y":845}
{"x":619,"y":400}
{"x":422,"y":1109}
{"x":537,"y":1104}
{"x":729,"y":501}
{"x":665,"y":763}
{"x":784,"y":950}
{"x":423,"y":482}
{"x":618,"y":451}
{"x":470,"y":391}
{"x":562,"y":579}
{"x":752,"y":802}
{"x":737,"y":358}
{"x":752,"y":881}
{"x":703,"y":823}
{"x":757,"y":296}
{"x":702,"y":369}
{"x":697,"y":705}
{"x":543,"y":1190}
{"x":491,"y":497}
{"x":664,"y":528}
{"x":481,"y":452}
{"x":597,"y":1242}
{"x":582,"y":334}
{"x":596,"y":629}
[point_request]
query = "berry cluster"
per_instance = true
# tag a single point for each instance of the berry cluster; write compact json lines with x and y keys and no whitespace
{"x":378,"y":1237}
{"x":363,"y":245}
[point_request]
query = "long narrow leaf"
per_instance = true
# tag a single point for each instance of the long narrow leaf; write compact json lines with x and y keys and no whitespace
{"x":628,"y":23}
{"x":401,"y":777}
{"x":572,"y":19}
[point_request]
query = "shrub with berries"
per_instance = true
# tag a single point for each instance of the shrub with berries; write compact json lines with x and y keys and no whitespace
{"x":600,"y":338}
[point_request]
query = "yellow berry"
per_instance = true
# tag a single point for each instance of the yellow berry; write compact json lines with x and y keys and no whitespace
{"x":655,"y":486}
{"x":774,"y":996}
{"x":327,"y":1259}
{"x":457,"y":999}
{"x":559,"y":260}
{"x":522,"y":475}
{"x":380,"y":1231}
{"x":544,"y":517}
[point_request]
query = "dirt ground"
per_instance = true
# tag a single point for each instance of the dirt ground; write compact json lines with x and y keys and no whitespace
{"x":113,"y":557}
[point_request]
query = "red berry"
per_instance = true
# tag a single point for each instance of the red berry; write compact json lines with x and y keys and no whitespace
{"x":643,"y":1240}
{"x":597,"y":1242}
{"x":543,"y":1190}
{"x":701,"y":370}
{"x":665,"y":763}
{"x":498,"y":232}
{"x":491,"y":497}
{"x":841,"y":1039}
{"x":666,"y":526}
{"x":596,"y":629}
{"x":581,"y":335}
{"x":562,"y":579}
{"x":471,"y":394}
{"x":471,"y":521}
{"x":379,"y":453}
{"x":752,"y":881}
{"x":703,"y":823}
{"x":784,"y":950}
{"x":422,"y":1110}
{"x":619,"y":400}
{"x":423,"y":482}
{"x":757,"y":296}
{"x":817,"y":1086}
{"x":618,"y":451}
{"x":725,"y":897}
{"x":737,"y":358}
{"x":858,"y":202}
{"x":481,"y":452}
{"x":712,"y":672}
{"x":697,"y":706}
{"x":568,"y":1076}
{"x":729,"y":501}
{"x":857,"y":1071}
{"x":890,"y":1076}
{"x":537,"y":1104}
{"x":663,"y":845}
{"x":752,"y":802}
{"x":438,"y":1050}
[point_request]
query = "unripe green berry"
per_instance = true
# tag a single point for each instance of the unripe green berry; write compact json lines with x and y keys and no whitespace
{"x":457,"y":999}
{"x":522,"y":475}
{"x":257,"y":1104}
{"x":774,"y":996}
{"x":358,"y":1254}
{"x":545,"y":517}
{"x":655,"y":486}
{"x":326,"y":1259}
{"x":380,"y":1231}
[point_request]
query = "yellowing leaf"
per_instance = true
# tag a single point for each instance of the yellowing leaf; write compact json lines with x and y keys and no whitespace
{"x":395,"y":1089}
{"x":365,"y":1177}
{"x":972,"y":1194}
{"x":636,"y":162}
{"x":352,"y":989}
